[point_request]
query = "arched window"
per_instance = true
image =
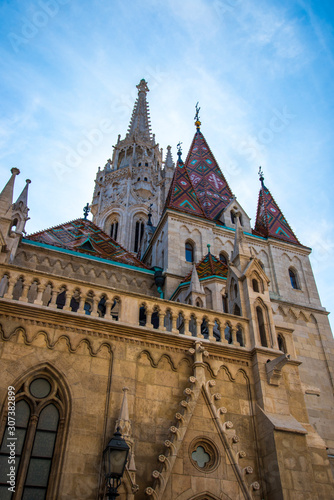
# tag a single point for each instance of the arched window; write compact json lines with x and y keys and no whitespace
{"x":255,"y":285}
{"x":40,"y":407}
{"x":205,"y":328}
{"x":233,"y":217}
{"x":142,"y":315}
{"x":228,"y":333}
{"x":155,"y":320}
{"x":168,"y":321}
{"x":281,"y":343}
{"x":180,"y":323}
{"x":193,"y":326}
{"x":293,"y":279}
{"x":236,"y":310}
{"x":223,"y":257}
{"x":261,"y":326}
{"x":189,"y":252}
{"x":139,"y":232}
{"x":240,"y":336}
{"x":114,"y":230}
{"x":61,"y":299}
{"x":13,"y":226}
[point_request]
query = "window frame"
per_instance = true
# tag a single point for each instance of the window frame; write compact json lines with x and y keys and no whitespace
{"x":188,"y":251}
{"x":59,"y":397}
{"x":294,"y":279}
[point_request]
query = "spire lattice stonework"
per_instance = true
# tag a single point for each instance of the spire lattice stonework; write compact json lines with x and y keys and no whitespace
{"x":140,"y":125}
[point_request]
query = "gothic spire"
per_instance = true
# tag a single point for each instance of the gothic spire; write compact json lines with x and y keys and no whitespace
{"x":270,"y":221}
{"x":140,"y":125}
{"x":6,"y":195}
{"x":22,"y":201}
{"x":195,"y":285}
{"x":169,"y":159}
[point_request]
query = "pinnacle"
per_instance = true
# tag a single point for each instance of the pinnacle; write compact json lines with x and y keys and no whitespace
{"x":140,"y":124}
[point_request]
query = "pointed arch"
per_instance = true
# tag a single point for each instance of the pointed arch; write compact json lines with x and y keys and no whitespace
{"x":43,"y":407}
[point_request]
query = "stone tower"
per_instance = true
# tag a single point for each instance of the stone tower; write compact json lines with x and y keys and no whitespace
{"x":134,"y":182}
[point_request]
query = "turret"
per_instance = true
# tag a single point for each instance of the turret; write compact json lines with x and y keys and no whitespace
{"x":13,"y":217}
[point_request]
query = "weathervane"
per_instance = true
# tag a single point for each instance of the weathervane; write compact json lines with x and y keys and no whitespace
{"x":261,"y":175}
{"x":179,"y":150}
{"x":86,"y":211}
{"x":197,"y":122}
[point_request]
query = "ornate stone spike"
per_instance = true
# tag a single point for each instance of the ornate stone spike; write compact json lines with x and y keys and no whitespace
{"x":185,"y":405}
{"x":150,"y":492}
{"x":235,"y":439}
{"x":179,"y":416}
{"x":216,"y":396}
{"x":221,"y":410}
{"x":240,"y":454}
{"x":247,"y":470}
{"x":192,"y":380}
{"x":175,"y":430}
{"x":210,"y":383}
{"x":255,"y":485}
{"x":188,"y":392}
{"x":227,"y":425}
{"x":164,"y":460}
{"x":170,"y":445}
{"x":157,"y":475}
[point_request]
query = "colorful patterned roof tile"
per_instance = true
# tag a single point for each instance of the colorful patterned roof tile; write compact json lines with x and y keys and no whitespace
{"x":199,"y":186}
{"x":270,"y":221}
{"x":209,"y":267}
{"x":182,"y":195}
{"x":83,"y":236}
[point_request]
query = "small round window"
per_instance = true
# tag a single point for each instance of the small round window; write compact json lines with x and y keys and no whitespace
{"x":204,"y":454}
{"x":40,"y":388}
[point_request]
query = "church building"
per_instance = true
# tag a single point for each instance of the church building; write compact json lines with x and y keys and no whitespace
{"x":169,"y":317}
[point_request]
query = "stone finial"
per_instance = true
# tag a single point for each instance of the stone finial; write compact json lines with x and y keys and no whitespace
{"x":169,"y":159}
{"x":195,"y":285}
{"x":123,"y":421}
{"x":142,"y":86}
{"x":6,"y":195}
{"x":22,"y":201}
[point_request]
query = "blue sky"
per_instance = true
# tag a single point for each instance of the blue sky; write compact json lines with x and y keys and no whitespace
{"x":263,"y":72}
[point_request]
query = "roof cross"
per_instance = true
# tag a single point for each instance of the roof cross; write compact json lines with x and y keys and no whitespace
{"x":197,"y":122}
{"x":86,"y":211}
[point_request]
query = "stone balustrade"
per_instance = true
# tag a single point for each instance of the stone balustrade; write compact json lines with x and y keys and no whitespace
{"x":77,"y":297}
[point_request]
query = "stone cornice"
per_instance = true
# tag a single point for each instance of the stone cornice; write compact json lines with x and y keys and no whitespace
{"x":320,"y":310}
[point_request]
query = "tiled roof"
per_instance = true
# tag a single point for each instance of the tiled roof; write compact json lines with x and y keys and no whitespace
{"x":270,"y":221}
{"x":84,"y":237}
{"x":198,"y":185}
{"x":208,"y":267}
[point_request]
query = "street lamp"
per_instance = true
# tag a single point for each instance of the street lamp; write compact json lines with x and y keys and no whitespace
{"x":114,"y":460}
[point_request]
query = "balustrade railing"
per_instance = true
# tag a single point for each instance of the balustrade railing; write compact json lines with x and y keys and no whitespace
{"x":77,"y":297}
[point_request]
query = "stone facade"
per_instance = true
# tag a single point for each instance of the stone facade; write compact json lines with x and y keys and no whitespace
{"x":219,"y":378}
